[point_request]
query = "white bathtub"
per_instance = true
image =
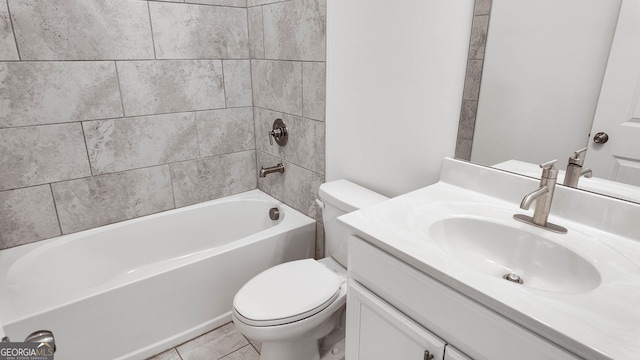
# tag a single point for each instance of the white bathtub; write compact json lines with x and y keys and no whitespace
{"x":132,"y":289}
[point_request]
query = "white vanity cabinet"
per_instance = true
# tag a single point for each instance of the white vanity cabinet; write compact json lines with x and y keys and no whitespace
{"x":379,"y":332}
{"x":391,"y":305}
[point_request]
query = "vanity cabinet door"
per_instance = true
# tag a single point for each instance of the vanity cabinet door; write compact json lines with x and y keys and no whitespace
{"x":377,"y":331}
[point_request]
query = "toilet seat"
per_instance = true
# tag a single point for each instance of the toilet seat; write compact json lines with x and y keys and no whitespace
{"x":287,"y":293}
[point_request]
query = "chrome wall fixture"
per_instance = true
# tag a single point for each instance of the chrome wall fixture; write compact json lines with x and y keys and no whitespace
{"x":279,"y":133}
{"x":270,"y":170}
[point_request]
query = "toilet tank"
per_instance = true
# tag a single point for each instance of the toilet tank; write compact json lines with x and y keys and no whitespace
{"x":341,"y":197}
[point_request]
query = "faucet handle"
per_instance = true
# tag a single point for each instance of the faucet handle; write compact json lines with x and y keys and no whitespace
{"x":548,"y":170}
{"x":548,"y":165}
{"x":577,"y":153}
{"x":575,"y":159}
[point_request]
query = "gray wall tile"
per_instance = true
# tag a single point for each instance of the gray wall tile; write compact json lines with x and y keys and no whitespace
{"x":27,"y":215}
{"x":213,"y":177}
{"x":472,"y":81}
{"x":183,"y":31}
{"x":42,"y":154}
{"x":262,"y":2}
{"x":467,"y":119}
{"x":54,"y":92}
{"x":256,"y":33}
{"x":297,"y":187}
{"x":156,"y":87}
{"x":277,"y":85}
{"x":225,"y":131}
{"x":105,"y":199}
{"x":482,"y":7}
{"x":8,"y":49}
{"x":320,"y":242}
{"x":313,"y":90}
{"x":463,"y":149}
{"x":82,"y":29}
{"x":123,"y":144}
{"x":478,"y":36}
{"x":306,"y":143}
{"x":264,"y":119}
{"x":237,"y":83}
{"x":295,"y":30}
{"x":237,"y":3}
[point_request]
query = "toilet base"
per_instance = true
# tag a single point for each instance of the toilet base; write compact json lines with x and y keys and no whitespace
{"x":309,"y":346}
{"x":295,"y":350}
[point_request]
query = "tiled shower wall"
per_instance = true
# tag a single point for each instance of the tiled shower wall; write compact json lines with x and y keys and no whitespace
{"x":475,"y":62}
{"x":287,"y":47}
{"x":115,"y":109}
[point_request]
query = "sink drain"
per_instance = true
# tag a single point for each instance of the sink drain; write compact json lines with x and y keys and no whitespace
{"x":513,"y":277}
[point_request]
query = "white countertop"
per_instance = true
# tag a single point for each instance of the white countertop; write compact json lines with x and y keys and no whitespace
{"x":602,"y":323}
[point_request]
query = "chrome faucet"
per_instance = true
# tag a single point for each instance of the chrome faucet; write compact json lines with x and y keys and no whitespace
{"x":575,"y":170}
{"x":543,"y":197}
{"x":273,"y":169}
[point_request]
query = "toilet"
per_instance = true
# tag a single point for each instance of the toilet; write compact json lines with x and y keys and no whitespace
{"x":292,"y":307}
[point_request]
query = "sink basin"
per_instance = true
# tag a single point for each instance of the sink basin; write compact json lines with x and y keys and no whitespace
{"x":498,"y":249}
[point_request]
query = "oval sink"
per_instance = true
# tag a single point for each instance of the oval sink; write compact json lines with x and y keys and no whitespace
{"x":498,"y":249}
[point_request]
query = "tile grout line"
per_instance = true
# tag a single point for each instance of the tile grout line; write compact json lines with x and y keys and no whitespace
{"x":55,"y":207}
{"x":115,"y":65}
{"x":153,"y":41}
{"x":264,"y":51}
{"x":224,"y":84}
{"x":132,"y":117}
{"x":86,"y":148}
{"x":13,"y":30}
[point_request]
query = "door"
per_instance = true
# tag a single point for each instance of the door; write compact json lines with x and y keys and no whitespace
{"x":618,"y":111}
{"x":377,"y":331}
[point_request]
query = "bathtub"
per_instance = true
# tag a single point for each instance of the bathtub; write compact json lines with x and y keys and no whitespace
{"x":132,"y":289}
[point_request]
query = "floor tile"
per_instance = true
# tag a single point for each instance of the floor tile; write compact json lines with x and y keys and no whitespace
{"x":171,"y":354}
{"x":246,"y":353}
{"x":214,"y":344}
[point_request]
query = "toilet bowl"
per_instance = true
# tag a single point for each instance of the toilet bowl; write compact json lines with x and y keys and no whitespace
{"x":292,"y":307}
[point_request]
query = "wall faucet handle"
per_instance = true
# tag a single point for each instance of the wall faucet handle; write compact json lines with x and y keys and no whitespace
{"x":279,"y":133}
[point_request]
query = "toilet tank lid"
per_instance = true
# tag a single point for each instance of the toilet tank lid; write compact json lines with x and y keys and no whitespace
{"x":348,"y":196}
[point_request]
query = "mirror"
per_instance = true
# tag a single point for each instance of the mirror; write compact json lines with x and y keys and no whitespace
{"x":543,"y":77}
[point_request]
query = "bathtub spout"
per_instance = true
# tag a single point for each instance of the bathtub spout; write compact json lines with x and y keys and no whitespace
{"x":274,"y":169}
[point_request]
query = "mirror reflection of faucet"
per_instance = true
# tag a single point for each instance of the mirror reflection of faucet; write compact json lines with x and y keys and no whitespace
{"x":543,"y":197}
{"x":575,"y":170}
{"x":270,"y":170}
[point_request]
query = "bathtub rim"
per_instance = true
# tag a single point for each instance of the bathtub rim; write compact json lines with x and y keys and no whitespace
{"x":292,"y":218}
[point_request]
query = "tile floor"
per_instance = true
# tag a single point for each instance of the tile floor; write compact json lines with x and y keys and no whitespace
{"x":223,"y":343}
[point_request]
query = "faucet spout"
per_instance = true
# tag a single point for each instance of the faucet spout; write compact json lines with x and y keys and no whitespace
{"x":531,"y":197}
{"x":543,"y":197}
{"x":587,"y":173}
{"x":273,"y":169}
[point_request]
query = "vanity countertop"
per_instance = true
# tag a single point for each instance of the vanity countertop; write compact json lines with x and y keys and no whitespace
{"x":594,"y":323}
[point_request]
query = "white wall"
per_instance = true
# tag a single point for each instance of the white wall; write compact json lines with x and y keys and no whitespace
{"x":395,"y":75}
{"x":543,"y":69}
